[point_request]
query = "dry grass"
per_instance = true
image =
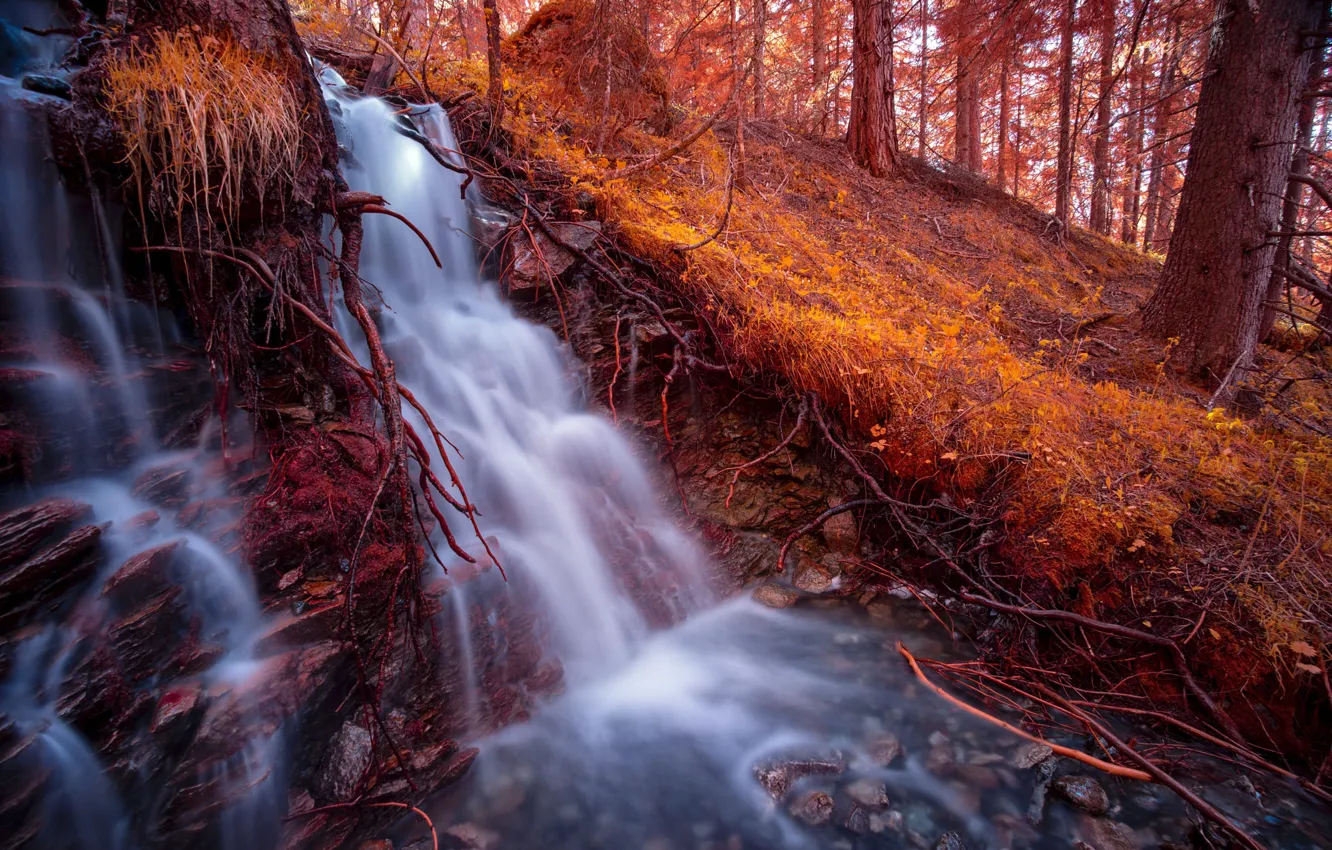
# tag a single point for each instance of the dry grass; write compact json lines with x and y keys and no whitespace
{"x":207,"y":125}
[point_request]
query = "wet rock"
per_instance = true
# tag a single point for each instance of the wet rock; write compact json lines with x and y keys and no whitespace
{"x":978,"y":776}
{"x":840,"y":532}
{"x":885,"y":749}
{"x":314,"y":624}
{"x":1044,"y":773}
{"x":1082,"y":793}
{"x":163,"y":485}
{"x":469,"y":836}
{"x":950,"y":841}
{"x":856,"y":820}
{"x":23,"y":530}
{"x":490,"y":224}
{"x":1097,"y":833}
{"x":345,"y":764}
{"x":142,"y":573}
{"x":174,"y":706}
{"x":1029,"y":755}
{"x":775,"y":595}
{"x":43,"y":84}
{"x":940,"y":760}
{"x":542,"y":260}
{"x":812,"y":578}
{"x":49,"y":573}
{"x":146,"y":638}
{"x":378,"y":844}
{"x":870,"y":793}
{"x":813,"y":807}
{"x":650,"y":332}
{"x":887,"y":822}
{"x":778,"y":776}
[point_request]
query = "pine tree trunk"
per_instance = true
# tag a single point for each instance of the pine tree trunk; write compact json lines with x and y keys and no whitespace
{"x":1290,"y":207}
{"x":1100,"y":198}
{"x":760,"y":43}
{"x":872,"y":135}
{"x":1160,"y":132}
{"x":922,"y":109}
{"x":818,"y":25}
{"x":1212,"y":287}
{"x":1001,"y":155}
{"x":1064,"y":161}
{"x":963,"y":112}
{"x":495,"y":82}
{"x":1133,"y":188}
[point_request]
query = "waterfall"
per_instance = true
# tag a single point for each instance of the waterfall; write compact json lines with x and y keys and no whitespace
{"x":558,"y":487}
{"x":82,"y":367}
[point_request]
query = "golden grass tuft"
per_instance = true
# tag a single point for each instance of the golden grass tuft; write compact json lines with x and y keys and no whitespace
{"x":207,"y":125}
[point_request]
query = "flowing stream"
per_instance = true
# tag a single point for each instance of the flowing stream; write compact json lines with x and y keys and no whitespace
{"x":736,"y":726}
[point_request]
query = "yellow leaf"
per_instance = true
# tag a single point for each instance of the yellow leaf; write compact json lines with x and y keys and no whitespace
{"x":1308,"y":668}
{"x":1304,"y":649}
{"x":948,"y":456}
{"x":1147,"y":623}
{"x":1214,"y":633}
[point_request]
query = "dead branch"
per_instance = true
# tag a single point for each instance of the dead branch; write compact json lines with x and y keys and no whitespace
{"x":1172,"y":649}
{"x":1068,"y":752}
{"x":367,"y":203}
{"x":425,"y":93}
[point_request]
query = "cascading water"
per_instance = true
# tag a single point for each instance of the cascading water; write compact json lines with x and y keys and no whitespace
{"x":674,"y":737}
{"x":160,"y":601}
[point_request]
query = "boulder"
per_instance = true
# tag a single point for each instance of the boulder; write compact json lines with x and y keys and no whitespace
{"x":539,"y":259}
{"x":775,"y":595}
{"x":345,"y":764}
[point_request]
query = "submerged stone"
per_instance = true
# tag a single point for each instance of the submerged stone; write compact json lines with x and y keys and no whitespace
{"x":43,"y":84}
{"x":1082,"y":793}
{"x":814,"y":808}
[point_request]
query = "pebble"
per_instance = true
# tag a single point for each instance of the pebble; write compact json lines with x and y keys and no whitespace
{"x":885,"y":749}
{"x":950,"y":841}
{"x":812,"y":578}
{"x":775,"y":596}
{"x":870,"y":793}
{"x":1082,"y":793}
{"x":814,"y":808}
{"x":1029,"y":755}
{"x":1105,"y":834}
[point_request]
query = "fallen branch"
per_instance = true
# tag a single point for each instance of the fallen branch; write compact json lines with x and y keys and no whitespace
{"x":1067,"y":752}
{"x":726,"y":214}
{"x":815,"y":523}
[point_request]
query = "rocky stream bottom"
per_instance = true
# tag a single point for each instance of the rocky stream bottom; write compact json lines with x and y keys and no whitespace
{"x":748,"y":727}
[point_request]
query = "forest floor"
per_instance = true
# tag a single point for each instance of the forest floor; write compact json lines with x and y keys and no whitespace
{"x":978,"y":362}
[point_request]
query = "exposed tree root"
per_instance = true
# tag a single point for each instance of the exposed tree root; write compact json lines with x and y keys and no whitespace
{"x":1077,"y":755}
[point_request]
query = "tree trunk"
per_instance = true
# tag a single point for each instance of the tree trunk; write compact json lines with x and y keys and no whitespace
{"x":460,"y":11}
{"x":922,"y":108}
{"x":819,"y":49}
{"x":1212,"y":287}
{"x":1017,"y":135}
{"x":966,"y":132}
{"x":760,"y":42}
{"x":1001,"y":155}
{"x":1100,"y":197}
{"x":1064,"y":160}
{"x":1133,"y":188}
{"x":872,"y":135}
{"x":495,"y":82}
{"x":1290,"y":207}
{"x":1160,"y":132}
